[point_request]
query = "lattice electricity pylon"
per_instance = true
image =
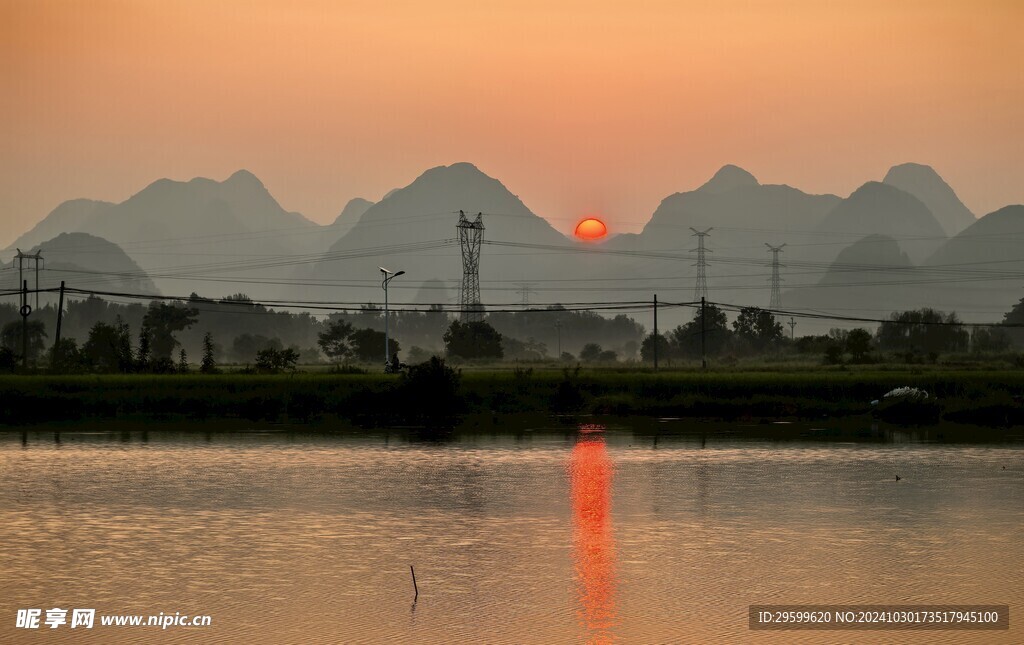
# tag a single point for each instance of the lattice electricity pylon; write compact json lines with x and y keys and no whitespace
{"x":776,"y":299}
{"x":524,"y":290}
{"x":700,"y":290}
{"x":471,"y":237}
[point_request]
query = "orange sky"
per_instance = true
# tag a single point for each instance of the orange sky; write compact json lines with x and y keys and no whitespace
{"x":588,"y":107}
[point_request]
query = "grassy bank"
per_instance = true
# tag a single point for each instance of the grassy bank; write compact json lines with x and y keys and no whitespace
{"x":976,"y":397}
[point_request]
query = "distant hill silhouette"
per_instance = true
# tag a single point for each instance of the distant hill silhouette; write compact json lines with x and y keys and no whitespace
{"x":181,"y":232}
{"x":729,"y":177}
{"x":877,"y":208}
{"x":434,"y":292}
{"x":72,"y":215}
{"x":846,"y":255}
{"x":978,"y":273}
{"x":924,"y":183}
{"x":996,"y":237}
{"x":981,"y":268}
{"x":866,"y":259}
{"x":733,"y":199}
{"x":349,"y":215}
{"x":744,"y":215}
{"x":426,"y":211}
{"x":867,"y":279}
{"x":88,"y":262}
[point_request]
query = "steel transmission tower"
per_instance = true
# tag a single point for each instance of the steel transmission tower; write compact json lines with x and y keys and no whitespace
{"x":776,"y":300}
{"x":471,"y":237}
{"x":525,"y":289}
{"x":701,"y":288}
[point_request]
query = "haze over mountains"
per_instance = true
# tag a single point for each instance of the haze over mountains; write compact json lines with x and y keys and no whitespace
{"x":925,"y":184}
{"x":884,"y":246}
{"x":85,"y":261}
{"x":186,"y":234}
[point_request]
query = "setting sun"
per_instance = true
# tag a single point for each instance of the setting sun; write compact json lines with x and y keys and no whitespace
{"x":591,"y":229}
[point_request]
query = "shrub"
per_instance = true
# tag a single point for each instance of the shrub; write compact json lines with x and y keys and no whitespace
{"x":430,"y":392}
{"x":274,"y":361}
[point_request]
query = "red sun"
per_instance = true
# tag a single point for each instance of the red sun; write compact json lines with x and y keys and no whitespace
{"x":591,"y":229}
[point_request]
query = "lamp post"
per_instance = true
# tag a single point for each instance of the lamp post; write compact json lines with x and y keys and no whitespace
{"x":388,"y":277}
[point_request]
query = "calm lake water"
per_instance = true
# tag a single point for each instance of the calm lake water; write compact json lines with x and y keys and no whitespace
{"x":542,"y":536}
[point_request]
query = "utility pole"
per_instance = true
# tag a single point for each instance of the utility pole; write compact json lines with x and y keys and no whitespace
{"x":60,"y":317}
{"x":792,"y":329}
{"x":656,"y":332}
{"x":703,"y":329}
{"x":776,"y":299}
{"x":471,"y":236}
{"x":20,"y":257}
{"x":25,"y":311}
{"x":36,"y":259}
{"x":700,"y":290}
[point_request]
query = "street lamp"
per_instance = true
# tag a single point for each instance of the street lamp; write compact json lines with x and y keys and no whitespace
{"x":388,"y":277}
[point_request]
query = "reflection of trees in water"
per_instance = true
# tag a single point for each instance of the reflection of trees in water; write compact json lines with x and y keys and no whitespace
{"x":590,"y":472}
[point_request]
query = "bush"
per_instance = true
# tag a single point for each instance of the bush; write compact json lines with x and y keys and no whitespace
{"x":8,"y":360}
{"x":834,"y":354}
{"x":429,"y":392}
{"x":569,"y":396}
{"x":473,"y":340}
{"x":273,"y":361}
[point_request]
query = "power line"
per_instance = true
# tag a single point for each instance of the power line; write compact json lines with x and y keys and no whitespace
{"x":636,"y":306}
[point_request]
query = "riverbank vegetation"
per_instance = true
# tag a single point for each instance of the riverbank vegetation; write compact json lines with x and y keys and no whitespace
{"x":435,"y":393}
{"x":107,"y":337}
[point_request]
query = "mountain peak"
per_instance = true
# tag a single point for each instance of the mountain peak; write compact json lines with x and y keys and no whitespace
{"x":353,"y":210}
{"x":871,"y":188}
{"x":911,"y":171}
{"x":729,"y":177}
{"x":924,"y":183}
{"x":456,"y":178}
{"x":461,"y":170}
{"x":243,"y":176}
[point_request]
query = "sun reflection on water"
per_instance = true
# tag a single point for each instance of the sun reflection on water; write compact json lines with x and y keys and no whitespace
{"x":590,"y":472}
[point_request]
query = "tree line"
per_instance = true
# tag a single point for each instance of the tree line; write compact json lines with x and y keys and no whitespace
{"x":915,"y":336}
{"x":104,"y":336}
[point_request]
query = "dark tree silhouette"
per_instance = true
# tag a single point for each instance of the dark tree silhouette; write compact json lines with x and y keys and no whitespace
{"x":367,"y":345}
{"x":473,"y":340}
{"x":923,"y":330}
{"x":335,"y":341}
{"x":757,"y":327}
{"x":686,"y":339}
{"x":208,"y":364}
{"x":274,"y":361}
{"x":162,"y":320}
{"x":10,"y":337}
{"x":590,"y":353}
{"x":858,"y":344}
{"x":647,"y":348}
{"x":108,"y":348}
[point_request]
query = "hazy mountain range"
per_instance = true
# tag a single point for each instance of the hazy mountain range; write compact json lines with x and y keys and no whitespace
{"x":903,"y":242}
